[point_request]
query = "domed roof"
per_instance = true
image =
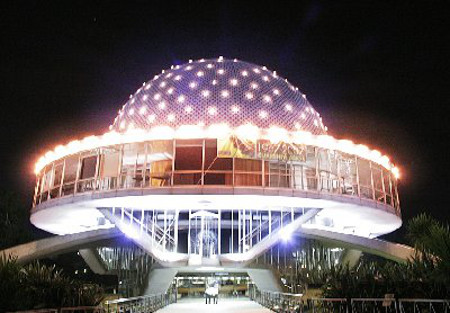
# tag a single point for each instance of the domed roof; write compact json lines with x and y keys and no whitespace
{"x":218,"y":91}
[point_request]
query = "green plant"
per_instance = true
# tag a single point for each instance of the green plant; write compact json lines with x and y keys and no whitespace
{"x":37,"y":286}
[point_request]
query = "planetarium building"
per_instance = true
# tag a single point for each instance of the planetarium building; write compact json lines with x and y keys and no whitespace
{"x":214,"y":164}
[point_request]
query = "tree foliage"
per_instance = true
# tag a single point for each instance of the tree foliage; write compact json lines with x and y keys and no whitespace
{"x":15,"y":227}
{"x":431,"y":239}
{"x":37,"y":286}
{"x":426,"y":275}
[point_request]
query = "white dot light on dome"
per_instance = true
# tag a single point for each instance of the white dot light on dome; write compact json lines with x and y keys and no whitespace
{"x":205,"y":93}
{"x":233,"y":82}
{"x":212,"y":110}
{"x":224,"y":93}
{"x":267,"y":98}
{"x":181,"y":99}
{"x":171,"y":117}
{"x":221,"y":71}
{"x":235,"y":109}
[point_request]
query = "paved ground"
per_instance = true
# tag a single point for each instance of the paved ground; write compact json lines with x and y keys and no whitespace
{"x":240,"y":305}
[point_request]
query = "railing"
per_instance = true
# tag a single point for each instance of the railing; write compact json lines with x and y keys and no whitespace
{"x":277,"y":301}
{"x":374,"y":305}
{"x":288,"y":303}
{"x":83,"y":309}
{"x":327,"y":305}
{"x":147,"y":304}
{"x":424,"y":306}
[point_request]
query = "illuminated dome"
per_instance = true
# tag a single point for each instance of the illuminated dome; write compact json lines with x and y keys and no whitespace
{"x":218,"y":91}
{"x":215,"y":164}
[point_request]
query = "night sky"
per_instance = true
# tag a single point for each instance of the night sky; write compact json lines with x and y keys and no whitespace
{"x":378,"y":72}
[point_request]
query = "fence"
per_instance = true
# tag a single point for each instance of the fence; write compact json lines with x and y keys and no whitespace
{"x":146,"y":304}
{"x":289,"y":303}
{"x":76,"y":309}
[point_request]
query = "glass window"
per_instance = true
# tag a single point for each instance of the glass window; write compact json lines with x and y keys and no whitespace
{"x":323,"y":158}
{"x":387,"y":186}
{"x":247,"y":165}
{"x":310,"y":169}
{"x":377,"y":182}
{"x":109,"y":163}
{"x":324,"y":169}
{"x":279,"y":174}
{"x":188,"y":158}
{"x":347,"y":170}
{"x":310,"y":157}
{"x":46,"y":183}
{"x":133,"y":159}
{"x":109,"y":167}
{"x":57,"y":178}
{"x":88,"y":166}
{"x":247,"y":172}
{"x":218,"y":171}
{"x":47,"y":178}
{"x":70,"y":170}
{"x":365,"y":184}
{"x":159,"y":163}
{"x":58,"y":174}
{"x":160,"y":173}
{"x":188,"y":162}
{"x":297,"y":176}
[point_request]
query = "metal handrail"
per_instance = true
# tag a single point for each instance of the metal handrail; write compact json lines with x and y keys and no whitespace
{"x":148,"y":303}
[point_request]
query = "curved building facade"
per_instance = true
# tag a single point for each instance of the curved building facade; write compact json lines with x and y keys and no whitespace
{"x":212,"y":163}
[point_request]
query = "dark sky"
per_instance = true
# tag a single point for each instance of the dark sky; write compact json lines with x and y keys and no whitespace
{"x":378,"y":72}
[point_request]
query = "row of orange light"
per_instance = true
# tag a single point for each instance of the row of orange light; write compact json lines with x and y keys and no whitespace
{"x":245,"y":132}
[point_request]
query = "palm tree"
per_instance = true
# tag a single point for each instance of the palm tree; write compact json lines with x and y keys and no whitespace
{"x":431,"y":239}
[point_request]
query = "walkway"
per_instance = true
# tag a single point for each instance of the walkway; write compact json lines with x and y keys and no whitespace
{"x":231,"y":305}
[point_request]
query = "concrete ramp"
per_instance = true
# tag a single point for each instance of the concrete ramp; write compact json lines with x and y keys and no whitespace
{"x":389,"y":250}
{"x":58,"y":244}
{"x":160,"y":280}
{"x":93,"y":260}
{"x":264,"y":279}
